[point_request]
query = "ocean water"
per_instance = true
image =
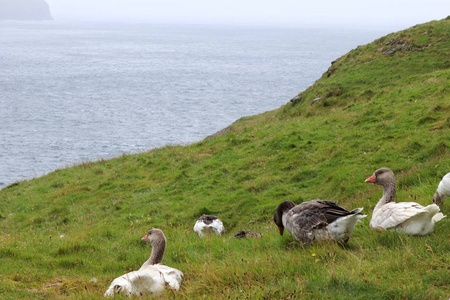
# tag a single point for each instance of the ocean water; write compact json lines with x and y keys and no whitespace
{"x":74,"y":92}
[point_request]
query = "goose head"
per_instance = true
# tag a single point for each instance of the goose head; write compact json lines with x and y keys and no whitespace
{"x":382,"y":177}
{"x":156,"y":238}
{"x":283,"y":208}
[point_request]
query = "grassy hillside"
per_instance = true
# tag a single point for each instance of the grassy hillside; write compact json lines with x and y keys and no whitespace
{"x":68,"y":234}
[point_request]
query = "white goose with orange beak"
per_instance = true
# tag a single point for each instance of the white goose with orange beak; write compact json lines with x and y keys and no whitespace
{"x":407,"y":217}
{"x":152,"y":277}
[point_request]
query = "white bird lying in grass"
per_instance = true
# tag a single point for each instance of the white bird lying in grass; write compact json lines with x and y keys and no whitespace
{"x":407,"y":217}
{"x":442,"y":191}
{"x":152,"y":277}
{"x":316,"y":220}
{"x":208,"y":224}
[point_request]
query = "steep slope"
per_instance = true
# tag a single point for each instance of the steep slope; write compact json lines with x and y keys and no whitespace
{"x":383,"y":104}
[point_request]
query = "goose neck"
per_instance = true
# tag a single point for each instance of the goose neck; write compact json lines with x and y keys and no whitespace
{"x":157,"y":254}
{"x":388,"y":193}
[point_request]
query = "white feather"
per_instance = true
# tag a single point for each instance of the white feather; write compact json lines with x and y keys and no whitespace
{"x":444,"y":186}
{"x":407,"y":217}
{"x":137,"y":283}
{"x":152,"y":277}
{"x":342,"y":228}
{"x":203,"y":229}
{"x":171,"y":276}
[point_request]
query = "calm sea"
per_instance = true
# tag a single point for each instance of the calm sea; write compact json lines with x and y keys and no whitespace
{"x":72,"y":92}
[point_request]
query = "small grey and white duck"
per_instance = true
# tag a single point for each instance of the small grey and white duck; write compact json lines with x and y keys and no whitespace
{"x":207,"y":224}
{"x":152,"y":277}
{"x":317,"y":220}
{"x":407,"y":217}
{"x":443,"y":190}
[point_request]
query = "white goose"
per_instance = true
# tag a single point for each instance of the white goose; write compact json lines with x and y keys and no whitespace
{"x":316,"y":220}
{"x":443,"y":190}
{"x":208,"y":224}
{"x":407,"y":217}
{"x":152,"y":277}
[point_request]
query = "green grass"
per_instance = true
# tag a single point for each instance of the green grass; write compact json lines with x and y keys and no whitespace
{"x":68,"y":234}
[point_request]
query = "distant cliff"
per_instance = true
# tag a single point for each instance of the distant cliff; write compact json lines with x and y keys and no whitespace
{"x":24,"y":10}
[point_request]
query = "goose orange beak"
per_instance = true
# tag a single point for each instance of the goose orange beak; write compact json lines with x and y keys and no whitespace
{"x":371,"y":179}
{"x":281,"y":230}
{"x":145,"y":239}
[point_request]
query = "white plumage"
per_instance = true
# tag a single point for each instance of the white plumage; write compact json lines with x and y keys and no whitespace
{"x":152,"y":277}
{"x":443,"y":190}
{"x":137,"y":283}
{"x":407,"y":217}
{"x":207,"y":224}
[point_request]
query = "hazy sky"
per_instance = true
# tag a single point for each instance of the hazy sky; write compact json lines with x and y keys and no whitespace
{"x":375,"y":13}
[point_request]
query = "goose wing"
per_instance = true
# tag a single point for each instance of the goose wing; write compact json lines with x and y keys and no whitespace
{"x":137,"y":283}
{"x":393,"y":214}
{"x":198,"y":227}
{"x":217,"y":225}
{"x":171,"y":276}
{"x":317,"y":214}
